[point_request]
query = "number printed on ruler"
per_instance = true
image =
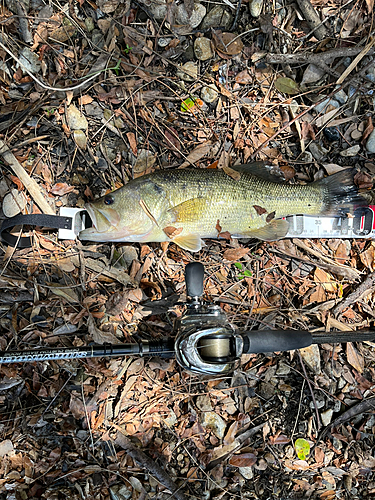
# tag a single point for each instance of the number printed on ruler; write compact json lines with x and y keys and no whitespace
{"x":362,"y":225}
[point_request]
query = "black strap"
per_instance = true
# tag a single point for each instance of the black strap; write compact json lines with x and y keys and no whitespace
{"x":43,"y":220}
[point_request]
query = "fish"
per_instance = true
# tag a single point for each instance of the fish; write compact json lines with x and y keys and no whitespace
{"x":185,"y":206}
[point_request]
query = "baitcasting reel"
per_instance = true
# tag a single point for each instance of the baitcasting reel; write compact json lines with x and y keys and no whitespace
{"x":205,"y":342}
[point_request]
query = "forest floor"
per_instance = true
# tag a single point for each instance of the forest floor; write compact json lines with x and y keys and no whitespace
{"x":93,"y":94}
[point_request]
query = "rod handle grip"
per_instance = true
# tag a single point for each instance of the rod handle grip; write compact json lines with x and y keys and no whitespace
{"x":257,"y":341}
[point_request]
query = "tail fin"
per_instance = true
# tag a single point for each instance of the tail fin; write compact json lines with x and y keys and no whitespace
{"x":342,"y":196}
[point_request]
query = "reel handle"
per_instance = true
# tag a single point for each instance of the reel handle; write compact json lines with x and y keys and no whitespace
{"x":257,"y":341}
{"x":194,"y":275}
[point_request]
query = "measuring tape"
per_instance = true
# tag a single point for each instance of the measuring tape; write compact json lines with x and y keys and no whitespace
{"x":359,"y":225}
{"x":73,"y":220}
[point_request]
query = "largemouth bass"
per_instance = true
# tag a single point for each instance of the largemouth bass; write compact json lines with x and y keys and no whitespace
{"x":185,"y":206}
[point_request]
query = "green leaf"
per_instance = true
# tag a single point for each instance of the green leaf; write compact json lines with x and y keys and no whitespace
{"x":302,"y":448}
{"x":287,"y":86}
{"x":187,"y":104}
{"x":238,"y":265}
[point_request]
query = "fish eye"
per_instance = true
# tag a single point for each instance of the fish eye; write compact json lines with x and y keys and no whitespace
{"x":109,"y":199}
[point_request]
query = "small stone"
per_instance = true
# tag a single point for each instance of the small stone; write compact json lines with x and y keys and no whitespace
{"x":283,"y":369}
{"x":202,"y":48}
{"x":255,"y":7}
{"x":212,"y":421}
{"x":13,"y":203}
{"x":204,"y":403}
{"x":326,"y":417}
{"x":319,"y":108}
{"x":356,"y":135}
{"x":163,"y":42}
{"x":311,"y":356}
{"x":266,"y":390}
{"x":158,"y":9}
{"x":246,"y":472}
{"x":352,"y":151}
{"x":193,"y":20}
{"x":306,"y":157}
{"x":188,"y":72}
{"x":90,"y":25}
{"x":29,"y":60}
{"x":370,"y":144}
{"x":332,"y":134}
{"x":318,"y":152}
{"x":75,"y":119}
{"x":80,"y":138}
{"x":312,"y":74}
{"x":217,"y":17}
{"x":209,"y":94}
{"x":341,"y":96}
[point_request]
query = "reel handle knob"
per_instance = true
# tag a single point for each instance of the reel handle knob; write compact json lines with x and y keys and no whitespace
{"x":194,"y":275}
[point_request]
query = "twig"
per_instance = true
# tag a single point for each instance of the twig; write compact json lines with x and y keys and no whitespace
{"x":363,"y":289}
{"x":147,"y":463}
{"x":355,"y":62}
{"x":307,"y":57}
{"x":312,"y":19}
{"x":29,"y":183}
{"x":43,"y":85}
{"x":344,"y":271}
{"x":362,"y":407}
{"x":318,"y":421}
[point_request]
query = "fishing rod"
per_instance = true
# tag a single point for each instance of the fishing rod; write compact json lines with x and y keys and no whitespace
{"x":204,"y":342}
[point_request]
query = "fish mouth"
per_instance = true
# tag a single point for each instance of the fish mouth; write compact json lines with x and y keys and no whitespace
{"x":102,"y":220}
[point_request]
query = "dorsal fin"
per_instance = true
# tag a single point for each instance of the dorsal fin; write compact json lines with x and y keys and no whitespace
{"x":266,"y":171}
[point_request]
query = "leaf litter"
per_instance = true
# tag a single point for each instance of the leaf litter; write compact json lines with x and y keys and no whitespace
{"x":283,"y":93}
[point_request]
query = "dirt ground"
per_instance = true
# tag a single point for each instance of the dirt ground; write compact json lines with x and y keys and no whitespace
{"x":95,"y":94}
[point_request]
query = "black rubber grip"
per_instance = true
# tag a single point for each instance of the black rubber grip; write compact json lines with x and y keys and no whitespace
{"x":275,"y":340}
{"x":194,"y":275}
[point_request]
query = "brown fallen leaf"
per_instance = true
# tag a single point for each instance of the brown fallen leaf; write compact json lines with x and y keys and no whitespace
{"x":172,"y":232}
{"x":226,"y":235}
{"x":243,"y":460}
{"x":227,"y":44}
{"x":85,"y":99}
{"x":354,"y":358}
{"x":218,"y":227}
{"x":61,"y":188}
{"x":259,"y":210}
{"x":234,"y":174}
{"x":198,"y":153}
{"x":235,"y":253}
{"x":270,"y":217}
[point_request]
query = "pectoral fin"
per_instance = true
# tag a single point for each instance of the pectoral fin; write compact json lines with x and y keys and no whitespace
{"x":190,"y":242}
{"x":189,"y":210}
{"x":275,"y":230}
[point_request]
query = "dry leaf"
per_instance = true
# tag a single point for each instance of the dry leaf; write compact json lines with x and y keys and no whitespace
{"x":259,"y":210}
{"x":132,"y":142}
{"x":172,"y":232}
{"x":244,"y":77}
{"x":234,"y":174}
{"x":235,"y":253}
{"x":354,"y":358}
{"x":243,"y":460}
{"x":197,"y":154}
{"x":61,"y":188}
{"x":85,"y":99}
{"x":17,"y":182}
{"x":325,"y":279}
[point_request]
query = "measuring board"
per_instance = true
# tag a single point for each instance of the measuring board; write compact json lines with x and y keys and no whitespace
{"x":361,"y":225}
